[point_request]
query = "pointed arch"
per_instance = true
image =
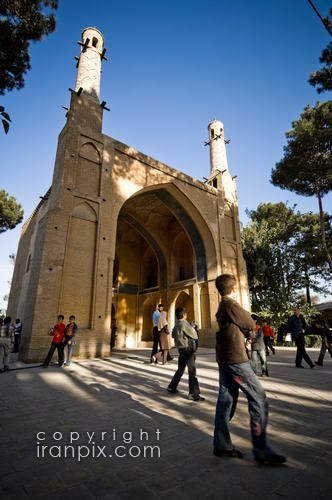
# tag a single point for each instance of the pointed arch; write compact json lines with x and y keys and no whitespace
{"x":184,"y":299}
{"x":85,"y":211}
{"x":90,"y":151}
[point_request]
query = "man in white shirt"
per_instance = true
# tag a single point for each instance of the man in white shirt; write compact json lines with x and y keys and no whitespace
{"x":156,"y":318}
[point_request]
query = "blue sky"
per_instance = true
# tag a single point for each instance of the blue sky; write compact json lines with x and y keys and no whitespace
{"x":173,"y":66}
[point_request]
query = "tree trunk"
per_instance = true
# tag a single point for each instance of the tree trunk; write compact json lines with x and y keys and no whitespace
{"x":307,"y":287}
{"x":322,"y":228}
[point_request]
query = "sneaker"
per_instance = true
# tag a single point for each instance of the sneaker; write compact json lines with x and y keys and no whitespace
{"x":196,"y":397}
{"x":318,"y":363}
{"x":271,"y":459}
{"x":233,"y":453}
{"x":172,"y":391}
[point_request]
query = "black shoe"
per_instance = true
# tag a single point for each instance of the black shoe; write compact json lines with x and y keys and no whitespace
{"x":312,"y":366}
{"x":272,"y":459}
{"x":172,"y":391}
{"x":318,"y":363}
{"x":195,"y":397}
{"x":6,"y":368}
{"x":299,"y":366}
{"x":233,"y":453}
{"x":44,"y":366}
{"x":266,"y":373}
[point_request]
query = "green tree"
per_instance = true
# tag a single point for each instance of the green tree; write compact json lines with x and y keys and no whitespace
{"x":11,"y":212}
{"x":283,"y":257}
{"x":21,"y":21}
{"x":322,"y":78}
{"x":4,"y":119}
{"x":306,"y":167}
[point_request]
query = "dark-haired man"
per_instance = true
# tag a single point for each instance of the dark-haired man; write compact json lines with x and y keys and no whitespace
{"x":297,"y":325}
{"x":57,"y":333}
{"x":185,"y":337}
{"x":235,"y":372}
{"x":69,"y":339}
{"x":155,"y":332}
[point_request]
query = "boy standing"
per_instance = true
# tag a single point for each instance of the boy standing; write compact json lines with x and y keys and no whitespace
{"x":236,"y":373}
{"x":185,"y":337}
{"x":57,"y":332}
{"x":6,"y":333}
{"x":70,"y":332}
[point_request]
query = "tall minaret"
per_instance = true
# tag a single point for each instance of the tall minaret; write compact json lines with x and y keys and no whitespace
{"x":89,"y":62}
{"x":218,"y":158}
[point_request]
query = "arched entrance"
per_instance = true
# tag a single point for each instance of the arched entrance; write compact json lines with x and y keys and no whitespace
{"x":159,"y":257}
{"x":184,"y":299}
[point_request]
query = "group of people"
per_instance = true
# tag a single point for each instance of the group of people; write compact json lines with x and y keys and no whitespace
{"x":63,"y":336}
{"x":236,"y":329}
{"x":241,"y":342}
{"x":10,"y":335}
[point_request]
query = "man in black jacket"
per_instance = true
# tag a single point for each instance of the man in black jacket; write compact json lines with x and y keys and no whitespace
{"x":296,"y":325}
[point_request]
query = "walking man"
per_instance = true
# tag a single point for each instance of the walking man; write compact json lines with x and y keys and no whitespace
{"x":235,"y":372}
{"x":185,"y":340}
{"x":155,"y":332}
{"x":58,"y":332}
{"x":322,"y":329}
{"x":296,"y":325}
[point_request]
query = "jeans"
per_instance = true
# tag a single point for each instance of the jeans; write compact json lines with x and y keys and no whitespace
{"x":257,"y":356}
{"x":232,"y":378}
{"x":50,"y":353}
{"x":17,"y":340}
{"x":69,"y":350}
{"x":301,"y":352}
{"x":5,"y":344}
{"x":268,"y":345}
{"x":186,"y":358}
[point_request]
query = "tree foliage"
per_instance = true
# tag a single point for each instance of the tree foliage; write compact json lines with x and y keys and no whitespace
{"x":5,"y":119}
{"x":306,"y":167}
{"x":21,"y":21}
{"x":11,"y":212}
{"x":284,"y":256}
{"x":322,"y":78}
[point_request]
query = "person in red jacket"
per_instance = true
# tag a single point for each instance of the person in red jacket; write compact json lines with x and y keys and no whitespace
{"x":268,"y":338}
{"x":58,"y":332}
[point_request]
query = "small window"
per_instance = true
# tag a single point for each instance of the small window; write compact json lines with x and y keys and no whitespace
{"x":212,"y":133}
{"x":215,"y":183}
{"x":94,"y":42}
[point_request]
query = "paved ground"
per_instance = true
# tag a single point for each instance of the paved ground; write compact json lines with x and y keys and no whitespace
{"x":125,"y":394}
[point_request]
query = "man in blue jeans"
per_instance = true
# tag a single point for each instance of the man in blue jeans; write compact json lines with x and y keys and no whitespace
{"x":236,"y":373}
